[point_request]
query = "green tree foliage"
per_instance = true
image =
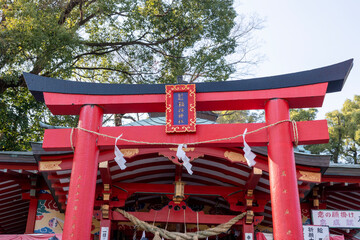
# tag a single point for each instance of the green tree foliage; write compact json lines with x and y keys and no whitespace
{"x":114,"y":41}
{"x":303,"y":114}
{"x":19,"y":120}
{"x":335,"y":147}
{"x":344,"y":131}
{"x":240,"y":116}
{"x":120,"y":40}
{"x":351,"y":130}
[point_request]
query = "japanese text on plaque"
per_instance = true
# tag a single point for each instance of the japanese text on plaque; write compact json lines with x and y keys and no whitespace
{"x":180,"y":108}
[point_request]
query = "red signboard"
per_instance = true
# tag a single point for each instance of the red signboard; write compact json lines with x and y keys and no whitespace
{"x":180,"y":108}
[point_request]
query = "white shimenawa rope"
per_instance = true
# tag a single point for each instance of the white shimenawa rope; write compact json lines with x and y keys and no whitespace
{"x":295,"y":131}
{"x":195,"y":143}
{"x":119,"y":157}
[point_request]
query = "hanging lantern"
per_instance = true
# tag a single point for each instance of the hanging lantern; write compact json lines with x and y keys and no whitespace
{"x":179,"y":192}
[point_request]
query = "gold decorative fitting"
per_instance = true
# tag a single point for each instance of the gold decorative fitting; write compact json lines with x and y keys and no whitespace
{"x":250,"y":193}
{"x":315,"y":192}
{"x":249,"y":217}
{"x":179,"y":192}
{"x":257,"y":171}
{"x":105,"y":211}
{"x":249,"y":202}
{"x":130,"y":152}
{"x":106,"y":196}
{"x":235,"y":157}
{"x":49,"y":165}
{"x":310,"y":176}
{"x":316,"y":203}
{"x":104,"y":164}
{"x":106,"y":187}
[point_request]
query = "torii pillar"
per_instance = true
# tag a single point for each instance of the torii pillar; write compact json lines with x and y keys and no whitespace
{"x":80,"y":205}
{"x":285,"y":204}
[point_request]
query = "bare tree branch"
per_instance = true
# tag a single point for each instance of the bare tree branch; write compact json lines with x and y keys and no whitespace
{"x":88,"y":3}
{"x":135,"y":42}
{"x":69,"y":7}
{"x":83,"y":21}
{"x":98,"y":52}
{"x":106,"y":68}
{"x":111,"y":69}
{"x":129,"y":117}
{"x":162,"y":52}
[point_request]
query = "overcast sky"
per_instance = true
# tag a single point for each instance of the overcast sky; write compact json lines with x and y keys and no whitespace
{"x":303,"y":35}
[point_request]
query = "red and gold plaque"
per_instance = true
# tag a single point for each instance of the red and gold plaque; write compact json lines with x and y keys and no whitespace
{"x":180,"y":108}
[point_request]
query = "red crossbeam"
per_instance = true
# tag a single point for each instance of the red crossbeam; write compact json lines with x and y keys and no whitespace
{"x":297,"y":97}
{"x":310,"y":132}
{"x":131,"y":188}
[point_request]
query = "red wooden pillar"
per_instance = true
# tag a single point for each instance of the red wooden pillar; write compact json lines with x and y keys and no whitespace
{"x":80,"y":203}
{"x":105,"y":228}
{"x":247,"y":231}
{"x":285,"y":202}
{"x":30,"y":224}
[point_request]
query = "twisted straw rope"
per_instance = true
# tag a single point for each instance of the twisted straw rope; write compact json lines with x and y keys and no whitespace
{"x":295,"y":131}
{"x":183,"y":236}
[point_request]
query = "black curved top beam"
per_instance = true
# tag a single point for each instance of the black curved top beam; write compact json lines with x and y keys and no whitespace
{"x":335,"y":75}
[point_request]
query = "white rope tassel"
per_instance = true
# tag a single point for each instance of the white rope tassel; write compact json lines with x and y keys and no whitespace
{"x":249,"y":155}
{"x":182,"y":156}
{"x":119,"y":156}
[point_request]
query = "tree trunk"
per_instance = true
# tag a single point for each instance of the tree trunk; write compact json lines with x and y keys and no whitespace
{"x":118,"y":119}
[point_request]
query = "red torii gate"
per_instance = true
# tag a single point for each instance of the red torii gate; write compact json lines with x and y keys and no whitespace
{"x":274,"y":94}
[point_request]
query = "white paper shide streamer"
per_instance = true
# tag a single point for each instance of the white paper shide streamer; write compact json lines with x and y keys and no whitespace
{"x":249,"y":155}
{"x":182,"y":156}
{"x":143,"y":237}
{"x":119,"y":156}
